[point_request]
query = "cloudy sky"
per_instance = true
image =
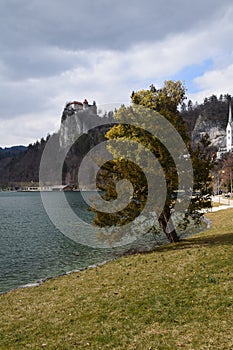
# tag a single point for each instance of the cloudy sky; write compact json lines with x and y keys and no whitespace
{"x":54,"y":51}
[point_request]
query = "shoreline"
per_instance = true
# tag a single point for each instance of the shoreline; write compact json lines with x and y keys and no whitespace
{"x":131,"y":251}
{"x":43,"y":280}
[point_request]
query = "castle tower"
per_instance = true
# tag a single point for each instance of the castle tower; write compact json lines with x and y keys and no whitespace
{"x":85,"y":104}
{"x":229,"y":131}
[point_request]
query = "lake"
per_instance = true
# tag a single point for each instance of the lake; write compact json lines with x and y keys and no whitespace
{"x":33,"y":249}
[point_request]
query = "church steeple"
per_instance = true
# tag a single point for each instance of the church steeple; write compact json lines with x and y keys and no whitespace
{"x":230,"y":114}
{"x":229,"y":131}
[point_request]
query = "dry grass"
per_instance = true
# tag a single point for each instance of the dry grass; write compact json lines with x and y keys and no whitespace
{"x":178,"y":297}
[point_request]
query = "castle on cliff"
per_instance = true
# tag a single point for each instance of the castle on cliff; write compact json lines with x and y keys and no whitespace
{"x":76,"y":106}
{"x":228,"y":146}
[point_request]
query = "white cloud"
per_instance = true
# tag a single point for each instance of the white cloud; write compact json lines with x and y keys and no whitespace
{"x":219,"y":81}
{"x":25,"y":129}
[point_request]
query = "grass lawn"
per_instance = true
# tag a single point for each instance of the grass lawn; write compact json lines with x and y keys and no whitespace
{"x":178,"y":297}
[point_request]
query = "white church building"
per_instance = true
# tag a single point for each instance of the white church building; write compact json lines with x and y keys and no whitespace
{"x":229,"y":136}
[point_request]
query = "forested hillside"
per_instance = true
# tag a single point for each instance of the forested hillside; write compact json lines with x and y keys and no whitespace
{"x":20,"y":165}
{"x":22,"y":169}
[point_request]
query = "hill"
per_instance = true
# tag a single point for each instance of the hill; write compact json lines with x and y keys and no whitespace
{"x":20,"y":165}
{"x":11,"y":151}
{"x":179,"y":296}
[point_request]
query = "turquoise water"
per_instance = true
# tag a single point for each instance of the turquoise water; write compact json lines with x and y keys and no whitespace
{"x":31,"y":248}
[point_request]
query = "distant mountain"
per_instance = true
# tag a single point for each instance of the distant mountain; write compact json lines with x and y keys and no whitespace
{"x":11,"y":151}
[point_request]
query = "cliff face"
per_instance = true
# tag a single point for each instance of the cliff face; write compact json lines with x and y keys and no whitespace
{"x":81,"y":129}
{"x":214,"y":128}
{"x":78,"y":121}
{"x":210,"y":118}
{"x":75,"y":123}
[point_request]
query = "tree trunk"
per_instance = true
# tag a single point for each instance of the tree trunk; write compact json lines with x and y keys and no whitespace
{"x":167,"y":225}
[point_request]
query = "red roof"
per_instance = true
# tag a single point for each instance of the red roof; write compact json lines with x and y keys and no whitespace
{"x":74,"y":103}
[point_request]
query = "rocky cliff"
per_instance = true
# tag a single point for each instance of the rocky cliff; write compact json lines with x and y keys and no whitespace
{"x":210,"y":118}
{"x":78,"y":119}
{"x":214,"y":128}
{"x":81,"y":129}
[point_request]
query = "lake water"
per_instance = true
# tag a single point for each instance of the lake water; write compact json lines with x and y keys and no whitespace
{"x":31,"y":247}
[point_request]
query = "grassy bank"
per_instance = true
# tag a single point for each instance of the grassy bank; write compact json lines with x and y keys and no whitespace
{"x":178,"y":297}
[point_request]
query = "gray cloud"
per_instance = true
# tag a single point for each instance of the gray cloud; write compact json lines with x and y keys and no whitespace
{"x":39,"y":62}
{"x":102,"y":24}
{"x":51,"y":51}
{"x":36,"y":35}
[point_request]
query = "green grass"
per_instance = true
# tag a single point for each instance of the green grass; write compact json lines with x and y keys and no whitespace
{"x":178,"y":297}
